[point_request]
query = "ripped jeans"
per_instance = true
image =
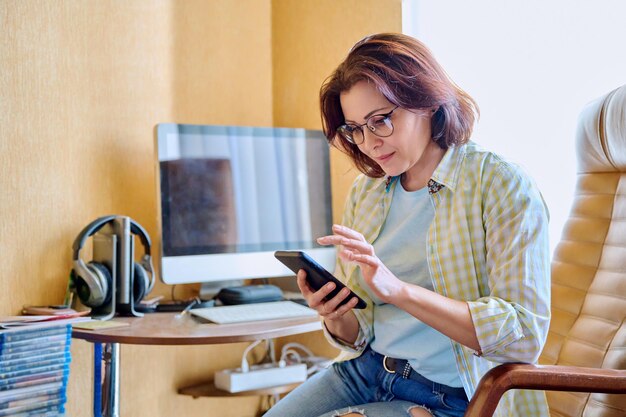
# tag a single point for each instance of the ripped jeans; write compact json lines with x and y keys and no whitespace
{"x":363,"y":386}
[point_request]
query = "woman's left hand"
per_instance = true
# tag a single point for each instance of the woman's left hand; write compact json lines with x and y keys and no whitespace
{"x":352,"y":247}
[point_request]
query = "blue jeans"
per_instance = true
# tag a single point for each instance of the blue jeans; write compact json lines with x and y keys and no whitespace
{"x":362,"y":385}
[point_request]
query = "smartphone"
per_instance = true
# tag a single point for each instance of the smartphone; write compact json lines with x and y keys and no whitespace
{"x":316,"y":275}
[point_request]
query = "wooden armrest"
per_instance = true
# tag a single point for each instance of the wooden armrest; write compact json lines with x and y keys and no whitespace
{"x":541,"y":377}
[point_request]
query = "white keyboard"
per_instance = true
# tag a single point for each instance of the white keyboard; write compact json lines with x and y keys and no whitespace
{"x":253,"y":312}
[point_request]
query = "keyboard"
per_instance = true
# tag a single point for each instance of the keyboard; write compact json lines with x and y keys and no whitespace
{"x":253,"y":312}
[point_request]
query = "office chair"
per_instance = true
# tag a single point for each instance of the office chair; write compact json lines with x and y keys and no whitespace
{"x":584,"y":361}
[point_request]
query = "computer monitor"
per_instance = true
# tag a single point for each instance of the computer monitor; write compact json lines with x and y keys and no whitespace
{"x":229,"y":196}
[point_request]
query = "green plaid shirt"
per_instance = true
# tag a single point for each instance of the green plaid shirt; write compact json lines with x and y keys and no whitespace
{"x":487,"y":245}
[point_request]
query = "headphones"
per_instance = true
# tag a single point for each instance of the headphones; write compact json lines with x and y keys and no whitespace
{"x":94,"y":280}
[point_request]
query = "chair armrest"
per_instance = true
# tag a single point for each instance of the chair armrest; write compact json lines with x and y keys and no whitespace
{"x":541,"y":377}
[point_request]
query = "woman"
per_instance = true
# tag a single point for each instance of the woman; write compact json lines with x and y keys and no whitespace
{"x":447,"y":242}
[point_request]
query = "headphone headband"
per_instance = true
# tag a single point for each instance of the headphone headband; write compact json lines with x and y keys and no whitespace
{"x":87,"y":231}
{"x":93,"y":227}
{"x":138,"y":230}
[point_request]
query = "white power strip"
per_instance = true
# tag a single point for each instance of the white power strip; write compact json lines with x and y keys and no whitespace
{"x":259,"y":376}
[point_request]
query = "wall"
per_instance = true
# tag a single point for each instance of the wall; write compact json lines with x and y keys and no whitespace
{"x":82,"y":85}
{"x":310,"y":38}
{"x":532,"y":66}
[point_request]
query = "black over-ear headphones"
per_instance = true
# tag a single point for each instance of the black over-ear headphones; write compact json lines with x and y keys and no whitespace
{"x":93,"y":281}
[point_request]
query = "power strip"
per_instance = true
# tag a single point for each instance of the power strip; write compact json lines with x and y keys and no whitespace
{"x":259,"y":376}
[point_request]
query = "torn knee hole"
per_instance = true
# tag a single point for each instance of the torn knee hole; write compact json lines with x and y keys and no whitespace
{"x":419,"y":411}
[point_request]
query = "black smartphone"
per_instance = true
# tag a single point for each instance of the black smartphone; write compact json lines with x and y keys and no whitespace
{"x":316,"y":274}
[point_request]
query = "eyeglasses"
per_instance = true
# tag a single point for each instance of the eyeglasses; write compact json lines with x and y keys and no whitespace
{"x":378,"y":124}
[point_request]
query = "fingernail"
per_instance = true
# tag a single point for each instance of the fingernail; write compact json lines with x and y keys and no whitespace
{"x":330,"y":285}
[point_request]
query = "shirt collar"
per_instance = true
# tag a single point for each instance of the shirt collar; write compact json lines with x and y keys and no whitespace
{"x":445,"y":175}
{"x":447,"y":172}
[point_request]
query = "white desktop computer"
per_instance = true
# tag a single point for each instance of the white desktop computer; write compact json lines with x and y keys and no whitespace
{"x":229,"y":196}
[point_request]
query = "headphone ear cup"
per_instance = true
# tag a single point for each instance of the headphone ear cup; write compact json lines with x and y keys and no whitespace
{"x":141,"y":281}
{"x":94,"y":289}
{"x":88,"y":288}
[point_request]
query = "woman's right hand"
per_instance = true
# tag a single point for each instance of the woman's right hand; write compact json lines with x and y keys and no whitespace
{"x":330,"y":309}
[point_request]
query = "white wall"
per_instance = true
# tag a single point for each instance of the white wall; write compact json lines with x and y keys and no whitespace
{"x":531,"y":65}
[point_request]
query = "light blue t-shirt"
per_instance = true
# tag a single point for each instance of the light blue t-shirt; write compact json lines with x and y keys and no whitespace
{"x":401,"y":246}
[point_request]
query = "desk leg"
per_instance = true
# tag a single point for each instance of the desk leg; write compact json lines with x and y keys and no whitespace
{"x":107,"y":397}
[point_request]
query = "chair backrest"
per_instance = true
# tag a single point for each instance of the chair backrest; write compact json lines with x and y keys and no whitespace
{"x":589,"y":266}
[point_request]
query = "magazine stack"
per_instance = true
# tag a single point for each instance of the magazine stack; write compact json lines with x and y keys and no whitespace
{"x":34,"y":369}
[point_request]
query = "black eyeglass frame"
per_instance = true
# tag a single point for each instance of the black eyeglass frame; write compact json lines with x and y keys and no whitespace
{"x":346,"y":131}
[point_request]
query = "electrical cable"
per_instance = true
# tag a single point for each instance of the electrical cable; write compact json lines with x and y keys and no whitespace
{"x":244,"y":361}
{"x":290,"y":355}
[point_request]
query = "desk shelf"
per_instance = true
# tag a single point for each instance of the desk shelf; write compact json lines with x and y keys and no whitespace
{"x":171,"y":329}
{"x":177,"y":329}
{"x":208,"y":389}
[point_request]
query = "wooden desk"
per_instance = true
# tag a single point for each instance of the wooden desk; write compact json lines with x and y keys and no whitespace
{"x":171,"y":329}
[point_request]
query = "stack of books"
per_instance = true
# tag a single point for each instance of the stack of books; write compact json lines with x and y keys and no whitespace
{"x":34,"y":369}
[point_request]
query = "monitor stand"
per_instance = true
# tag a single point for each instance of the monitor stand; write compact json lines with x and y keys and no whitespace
{"x":209,"y":290}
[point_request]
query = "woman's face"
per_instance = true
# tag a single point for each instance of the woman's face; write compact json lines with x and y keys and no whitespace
{"x":410,"y":143}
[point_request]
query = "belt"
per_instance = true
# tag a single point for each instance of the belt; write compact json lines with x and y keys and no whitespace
{"x":404,"y":369}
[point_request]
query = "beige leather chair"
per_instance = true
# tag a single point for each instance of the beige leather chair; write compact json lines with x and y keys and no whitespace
{"x":584,"y":362}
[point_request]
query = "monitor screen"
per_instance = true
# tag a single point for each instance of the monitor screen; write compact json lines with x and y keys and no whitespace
{"x":229,"y":196}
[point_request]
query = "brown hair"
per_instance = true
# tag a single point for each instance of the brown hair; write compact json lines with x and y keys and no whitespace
{"x":404,"y":71}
